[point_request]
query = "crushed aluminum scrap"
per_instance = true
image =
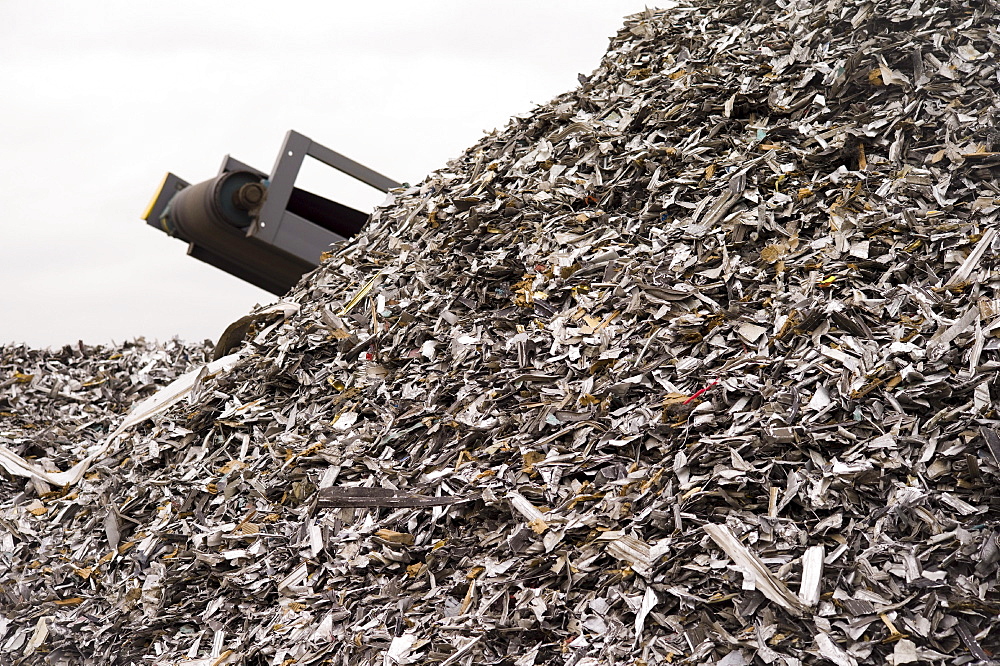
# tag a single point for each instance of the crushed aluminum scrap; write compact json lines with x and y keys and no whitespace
{"x":695,"y":364}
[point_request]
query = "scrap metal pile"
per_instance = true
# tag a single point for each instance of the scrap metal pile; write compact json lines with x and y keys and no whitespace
{"x":695,"y":364}
{"x":55,"y":403}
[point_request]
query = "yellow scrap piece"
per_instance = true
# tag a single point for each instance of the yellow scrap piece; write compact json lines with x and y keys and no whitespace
{"x":222,"y":658}
{"x":361,"y":294}
{"x":232,"y":466}
{"x":538,"y":526}
{"x":69,"y":602}
{"x":894,"y":633}
{"x":401,"y":538}
{"x":464,"y":457}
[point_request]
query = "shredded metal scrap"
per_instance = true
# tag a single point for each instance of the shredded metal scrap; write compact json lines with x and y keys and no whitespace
{"x":697,"y":363}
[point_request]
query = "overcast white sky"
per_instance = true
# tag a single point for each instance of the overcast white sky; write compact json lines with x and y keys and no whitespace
{"x":99,"y":100}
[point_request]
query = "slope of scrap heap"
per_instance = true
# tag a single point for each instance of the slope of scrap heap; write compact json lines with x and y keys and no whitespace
{"x":697,"y":363}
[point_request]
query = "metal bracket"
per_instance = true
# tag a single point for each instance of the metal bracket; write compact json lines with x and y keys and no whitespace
{"x":273,"y":218}
{"x":232,"y":164}
{"x":269,"y":244}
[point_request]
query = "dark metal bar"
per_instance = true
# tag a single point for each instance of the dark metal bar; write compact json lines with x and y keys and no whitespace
{"x":282,"y":181}
{"x":232,"y":164}
{"x":350,"y":167}
{"x":301,"y":238}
